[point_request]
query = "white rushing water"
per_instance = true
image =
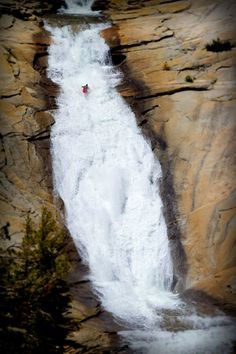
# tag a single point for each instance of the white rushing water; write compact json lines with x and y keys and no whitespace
{"x":107,"y":176}
{"x":81,"y":7}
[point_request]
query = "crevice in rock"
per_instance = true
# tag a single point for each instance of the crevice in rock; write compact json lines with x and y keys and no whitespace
{"x":118,"y":59}
{"x":195,"y":67}
{"x":223,"y":67}
{"x":98,"y":312}
{"x":85,"y":281}
{"x":10,"y":135}
{"x":123,"y":19}
{"x":41,"y":44}
{"x":227,"y":209}
{"x":39,"y":136}
{"x":150,"y":109}
{"x":129,"y":18}
{"x":133,"y":45}
{"x":168,"y":1}
{"x":12,"y":60}
{"x":174,"y":90}
{"x":11,"y":95}
{"x":144,"y":121}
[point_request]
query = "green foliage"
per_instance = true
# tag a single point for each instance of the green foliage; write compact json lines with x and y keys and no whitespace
{"x":188,"y":78}
{"x":33,"y":292}
{"x":218,"y":46}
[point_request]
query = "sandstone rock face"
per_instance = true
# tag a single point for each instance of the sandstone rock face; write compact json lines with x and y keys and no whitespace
{"x":186,"y":99}
{"x":25,"y":122}
{"x":26,"y":112}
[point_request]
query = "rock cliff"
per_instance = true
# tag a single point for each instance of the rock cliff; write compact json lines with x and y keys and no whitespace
{"x":26,"y":110}
{"x":179,"y":61}
{"x":25,"y":122}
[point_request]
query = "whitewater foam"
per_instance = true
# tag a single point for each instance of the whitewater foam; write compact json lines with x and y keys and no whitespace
{"x":79,"y":7}
{"x":107,"y":176}
{"x":212,"y":340}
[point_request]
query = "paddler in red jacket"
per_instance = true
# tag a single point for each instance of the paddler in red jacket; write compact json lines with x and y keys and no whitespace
{"x":85,"y":89}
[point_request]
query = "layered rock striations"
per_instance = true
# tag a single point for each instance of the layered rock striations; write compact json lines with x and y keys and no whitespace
{"x":27,"y":103}
{"x":25,"y":122}
{"x":184,"y":91}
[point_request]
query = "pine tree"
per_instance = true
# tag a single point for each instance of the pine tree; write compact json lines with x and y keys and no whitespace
{"x":33,"y":292}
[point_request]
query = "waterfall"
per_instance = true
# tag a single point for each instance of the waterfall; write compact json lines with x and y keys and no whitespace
{"x":82,"y":7}
{"x":107,"y":176}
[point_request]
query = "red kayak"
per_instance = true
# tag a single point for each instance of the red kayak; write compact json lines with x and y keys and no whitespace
{"x":85,"y":89}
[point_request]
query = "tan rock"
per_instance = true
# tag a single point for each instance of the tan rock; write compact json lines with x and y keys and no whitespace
{"x":44,"y":119}
{"x":111,"y":36}
{"x":23,"y":169}
{"x":174,"y":7}
{"x":187,"y":95}
{"x":91,"y":338}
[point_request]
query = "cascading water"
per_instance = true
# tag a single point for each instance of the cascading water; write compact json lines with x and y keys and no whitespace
{"x":82,"y":7}
{"x":107,"y":176}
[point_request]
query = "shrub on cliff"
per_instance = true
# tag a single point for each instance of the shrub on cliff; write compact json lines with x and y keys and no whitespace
{"x":189,"y":78}
{"x":218,"y":45}
{"x":33,"y":292}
